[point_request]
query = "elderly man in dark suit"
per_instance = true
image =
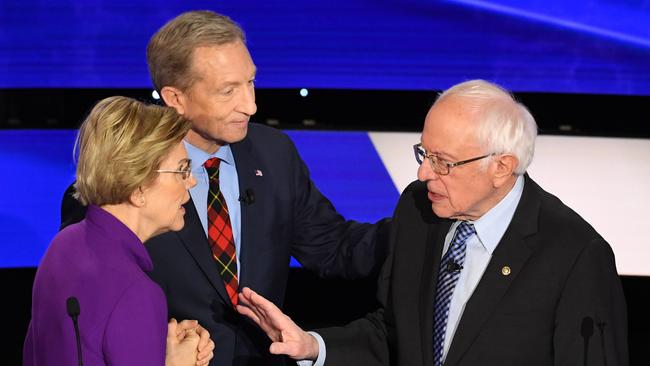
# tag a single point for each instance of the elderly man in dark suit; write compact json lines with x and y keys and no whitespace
{"x":486,"y":268}
{"x":254,"y":205}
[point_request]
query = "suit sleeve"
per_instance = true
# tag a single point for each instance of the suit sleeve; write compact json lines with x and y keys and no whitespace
{"x":591,"y":315}
{"x":369,"y":340}
{"x":72,"y":211}
{"x":327,"y":243}
{"x":137,"y":329}
{"x":364,"y":341}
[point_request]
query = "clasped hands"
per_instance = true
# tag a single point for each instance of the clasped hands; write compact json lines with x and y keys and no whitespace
{"x":188,"y":343}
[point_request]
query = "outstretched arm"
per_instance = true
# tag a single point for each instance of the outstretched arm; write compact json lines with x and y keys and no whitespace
{"x":288,"y":338}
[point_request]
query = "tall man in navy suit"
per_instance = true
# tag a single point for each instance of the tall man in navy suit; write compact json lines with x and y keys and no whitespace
{"x":200,"y":65}
{"x":485,"y":267}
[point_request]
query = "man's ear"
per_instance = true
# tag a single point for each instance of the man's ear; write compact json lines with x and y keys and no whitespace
{"x":174,"y":98}
{"x":505,"y":166}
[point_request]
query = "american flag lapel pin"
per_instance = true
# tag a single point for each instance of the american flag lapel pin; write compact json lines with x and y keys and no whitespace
{"x":258,"y":173}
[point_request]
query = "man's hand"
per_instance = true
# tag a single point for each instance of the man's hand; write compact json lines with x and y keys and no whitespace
{"x":288,"y":338}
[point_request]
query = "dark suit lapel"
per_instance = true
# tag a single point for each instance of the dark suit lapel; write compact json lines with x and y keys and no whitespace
{"x":193,"y":238}
{"x":432,"y":255}
{"x":513,"y":251}
{"x":251,"y":177}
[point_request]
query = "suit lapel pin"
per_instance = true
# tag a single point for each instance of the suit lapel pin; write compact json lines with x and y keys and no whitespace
{"x":506,"y":271}
{"x":258,"y":173}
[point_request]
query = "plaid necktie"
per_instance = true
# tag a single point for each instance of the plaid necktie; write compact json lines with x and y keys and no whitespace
{"x":220,"y":234}
{"x":450,"y":267}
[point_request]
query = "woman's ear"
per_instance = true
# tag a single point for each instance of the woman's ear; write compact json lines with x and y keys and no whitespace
{"x":137,"y":198}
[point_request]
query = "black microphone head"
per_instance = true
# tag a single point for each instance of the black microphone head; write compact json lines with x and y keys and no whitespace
{"x":250,"y":194}
{"x":248,"y":197}
{"x":587,"y":327}
{"x":453,"y":267}
{"x":72,"y":305}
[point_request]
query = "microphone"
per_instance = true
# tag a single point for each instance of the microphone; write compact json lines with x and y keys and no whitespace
{"x":586,"y":330}
{"x":601,"y":327}
{"x":72,"y":305}
{"x":248,"y":197}
{"x":453,"y":267}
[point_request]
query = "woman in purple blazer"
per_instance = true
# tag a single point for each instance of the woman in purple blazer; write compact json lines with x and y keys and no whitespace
{"x":134,"y":175}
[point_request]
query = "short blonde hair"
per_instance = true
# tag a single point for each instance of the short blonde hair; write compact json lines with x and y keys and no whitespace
{"x":120,"y":145}
{"x":170,"y":49}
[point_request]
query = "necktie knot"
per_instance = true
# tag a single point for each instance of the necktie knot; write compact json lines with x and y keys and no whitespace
{"x":212,"y":163}
{"x":464,"y":231}
{"x":456,"y":251}
{"x":212,"y":168}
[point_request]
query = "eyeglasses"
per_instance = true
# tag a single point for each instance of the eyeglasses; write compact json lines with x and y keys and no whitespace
{"x":185,"y":169}
{"x":440,"y":166}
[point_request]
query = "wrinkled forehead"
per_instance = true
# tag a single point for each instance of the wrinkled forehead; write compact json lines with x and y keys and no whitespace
{"x":219,"y":67}
{"x":449,"y":127}
{"x":218,"y":59}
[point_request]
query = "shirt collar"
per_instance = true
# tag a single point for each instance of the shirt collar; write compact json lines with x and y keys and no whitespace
{"x":199,"y":156}
{"x":493,"y":224}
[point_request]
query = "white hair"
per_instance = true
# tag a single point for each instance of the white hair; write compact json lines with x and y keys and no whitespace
{"x":504,"y":126}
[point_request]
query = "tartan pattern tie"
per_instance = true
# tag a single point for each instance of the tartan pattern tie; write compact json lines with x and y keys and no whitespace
{"x":447,"y":280}
{"x":220,"y":234}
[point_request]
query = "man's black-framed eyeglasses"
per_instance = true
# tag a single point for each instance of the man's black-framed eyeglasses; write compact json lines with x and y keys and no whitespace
{"x":440,"y":166}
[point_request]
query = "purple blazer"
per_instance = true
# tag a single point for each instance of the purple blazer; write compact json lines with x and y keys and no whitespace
{"x":123,"y":318}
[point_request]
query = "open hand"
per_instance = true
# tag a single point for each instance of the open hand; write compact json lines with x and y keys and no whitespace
{"x":288,"y":338}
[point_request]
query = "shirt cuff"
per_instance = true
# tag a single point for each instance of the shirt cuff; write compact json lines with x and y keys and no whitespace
{"x":320,"y":360}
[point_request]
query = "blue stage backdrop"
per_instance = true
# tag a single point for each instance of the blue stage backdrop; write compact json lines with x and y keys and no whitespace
{"x":582,"y":46}
{"x":38,"y":166}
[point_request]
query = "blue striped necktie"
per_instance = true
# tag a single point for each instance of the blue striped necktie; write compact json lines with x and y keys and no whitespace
{"x":450,"y":267}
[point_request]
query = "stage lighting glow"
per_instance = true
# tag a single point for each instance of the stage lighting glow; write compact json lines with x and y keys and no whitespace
{"x":304,"y":92}
{"x":155,"y":95}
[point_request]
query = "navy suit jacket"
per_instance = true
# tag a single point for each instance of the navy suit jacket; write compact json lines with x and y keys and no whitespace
{"x":561,"y":303}
{"x":288,"y":216}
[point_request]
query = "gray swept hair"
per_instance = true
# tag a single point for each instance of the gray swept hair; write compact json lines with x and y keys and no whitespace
{"x":503,"y":124}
